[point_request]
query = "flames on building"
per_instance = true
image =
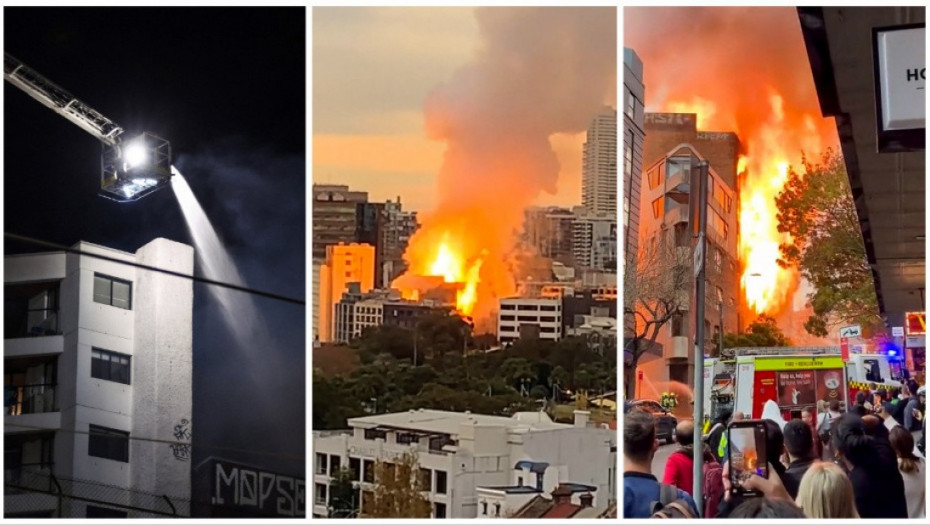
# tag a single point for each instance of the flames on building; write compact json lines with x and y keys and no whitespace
{"x":741,"y":69}
{"x":539,"y":71}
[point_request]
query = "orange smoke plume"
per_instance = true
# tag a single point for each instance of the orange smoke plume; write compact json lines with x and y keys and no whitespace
{"x":540,"y":71}
{"x":741,"y":69}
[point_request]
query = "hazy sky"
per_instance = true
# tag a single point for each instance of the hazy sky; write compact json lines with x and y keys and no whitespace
{"x":372,"y":71}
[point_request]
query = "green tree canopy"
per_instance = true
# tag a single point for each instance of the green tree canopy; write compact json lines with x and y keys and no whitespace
{"x":816,"y":209}
{"x":761,"y":332}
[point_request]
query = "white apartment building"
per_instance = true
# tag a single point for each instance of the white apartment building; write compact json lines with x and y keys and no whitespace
{"x":529,"y":317}
{"x":599,"y":164}
{"x":466,"y":457}
{"x":97,"y":365}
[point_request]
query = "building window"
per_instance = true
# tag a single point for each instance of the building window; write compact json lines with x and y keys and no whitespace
{"x":440,"y":511}
{"x":355,"y":465}
{"x":374,"y":433}
{"x":678,"y":166}
{"x":320,"y":463}
{"x":628,"y":154}
{"x":426,"y":479}
{"x":678,"y":325}
{"x":405,"y":438}
{"x":484,"y":508}
{"x":507,"y":318}
{"x":368,"y":468}
{"x":334,"y":464}
{"x":657,"y":208}
{"x":112,"y":291}
{"x":497,"y":510}
{"x":110,"y":366}
{"x":655,"y":178}
{"x":94,"y":511}
{"x":108,"y":443}
{"x":441,"y":481}
{"x":368,"y":502}
{"x":718,"y":259}
{"x":319,"y":493}
{"x":719,"y":295}
{"x":438,"y":442}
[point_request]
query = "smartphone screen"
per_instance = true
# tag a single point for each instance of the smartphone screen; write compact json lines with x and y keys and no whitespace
{"x":746,"y":443}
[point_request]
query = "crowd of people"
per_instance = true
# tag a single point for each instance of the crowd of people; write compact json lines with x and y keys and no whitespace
{"x":867,"y":461}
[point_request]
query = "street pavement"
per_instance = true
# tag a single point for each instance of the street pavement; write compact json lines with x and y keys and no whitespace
{"x":658,"y":463}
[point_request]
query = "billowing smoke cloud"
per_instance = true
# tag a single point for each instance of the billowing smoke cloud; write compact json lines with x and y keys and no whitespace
{"x":730,"y":62}
{"x":539,"y":71}
{"x":742,"y":69}
{"x":249,"y":373}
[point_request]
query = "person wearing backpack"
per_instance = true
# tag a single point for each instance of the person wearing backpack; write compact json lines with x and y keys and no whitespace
{"x":643,"y":495}
{"x":679,"y":469}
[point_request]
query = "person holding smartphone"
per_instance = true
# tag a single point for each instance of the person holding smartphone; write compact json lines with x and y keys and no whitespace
{"x":773,"y":447}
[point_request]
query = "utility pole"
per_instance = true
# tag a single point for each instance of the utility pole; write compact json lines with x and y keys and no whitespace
{"x":720,"y":307}
{"x":699,"y":190}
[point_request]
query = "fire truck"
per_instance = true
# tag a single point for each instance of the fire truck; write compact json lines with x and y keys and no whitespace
{"x":719,"y":387}
{"x":798,"y":377}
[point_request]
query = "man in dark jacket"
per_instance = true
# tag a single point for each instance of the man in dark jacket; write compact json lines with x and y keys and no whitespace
{"x":865,"y":450}
{"x":799,"y":445}
{"x":859,"y":408}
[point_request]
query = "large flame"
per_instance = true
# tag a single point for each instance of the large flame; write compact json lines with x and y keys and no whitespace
{"x":743,"y":70}
{"x":497,"y":115}
{"x":454,"y":268}
{"x":451,"y":253}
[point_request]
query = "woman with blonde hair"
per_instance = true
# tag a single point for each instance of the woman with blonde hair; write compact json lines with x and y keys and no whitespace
{"x":826,"y":492}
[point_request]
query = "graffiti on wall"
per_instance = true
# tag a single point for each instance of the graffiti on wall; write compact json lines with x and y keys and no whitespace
{"x":182,"y":432}
{"x":257,"y":491}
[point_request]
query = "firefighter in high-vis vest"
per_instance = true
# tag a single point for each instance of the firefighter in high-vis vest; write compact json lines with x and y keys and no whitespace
{"x":717,"y":440}
{"x":669,"y":400}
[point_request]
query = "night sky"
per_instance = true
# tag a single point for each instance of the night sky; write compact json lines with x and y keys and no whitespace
{"x":227,"y":87}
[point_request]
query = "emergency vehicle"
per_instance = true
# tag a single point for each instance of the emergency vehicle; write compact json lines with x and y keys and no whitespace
{"x":798,"y":377}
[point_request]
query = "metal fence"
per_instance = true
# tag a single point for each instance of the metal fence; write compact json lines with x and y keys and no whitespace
{"x":32,"y":491}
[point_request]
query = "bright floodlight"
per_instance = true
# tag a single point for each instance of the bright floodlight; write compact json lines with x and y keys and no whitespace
{"x":135,"y":168}
{"x":135,"y":155}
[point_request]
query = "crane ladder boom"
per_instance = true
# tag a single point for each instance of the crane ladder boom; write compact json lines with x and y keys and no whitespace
{"x":60,"y":101}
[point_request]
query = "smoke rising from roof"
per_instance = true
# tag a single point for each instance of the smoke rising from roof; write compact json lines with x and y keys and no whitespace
{"x":539,"y":71}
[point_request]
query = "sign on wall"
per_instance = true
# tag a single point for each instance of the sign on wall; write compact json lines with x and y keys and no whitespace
{"x":899,"y":56}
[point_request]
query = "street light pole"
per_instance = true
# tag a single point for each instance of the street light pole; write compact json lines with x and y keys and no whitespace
{"x":700,"y":257}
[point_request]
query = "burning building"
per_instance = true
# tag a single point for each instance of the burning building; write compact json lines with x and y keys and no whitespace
{"x":765,"y":97}
{"x":540,"y":72}
{"x":672,"y":149}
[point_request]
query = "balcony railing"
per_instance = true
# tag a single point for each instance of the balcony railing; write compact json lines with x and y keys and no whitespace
{"x":29,"y":399}
{"x":28,"y":478}
{"x":34,"y":323}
